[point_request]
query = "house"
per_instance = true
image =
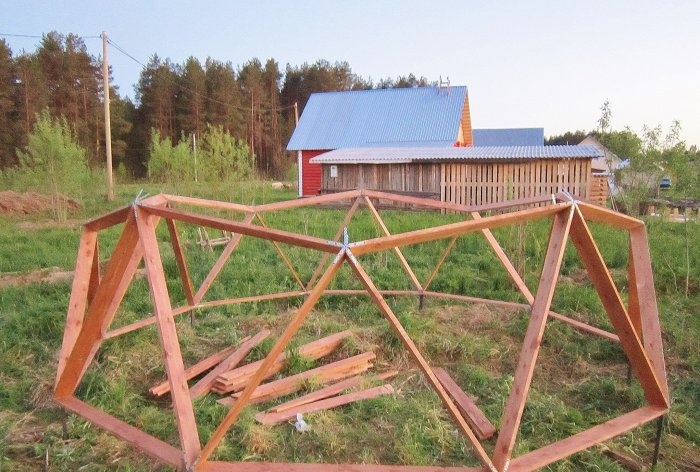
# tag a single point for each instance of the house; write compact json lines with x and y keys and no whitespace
{"x":461,"y":175}
{"x":509,"y":137}
{"x":405,"y":117}
{"x":602,"y":168}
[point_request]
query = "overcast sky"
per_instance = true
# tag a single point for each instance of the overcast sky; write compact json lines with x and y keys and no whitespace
{"x":526,"y":63}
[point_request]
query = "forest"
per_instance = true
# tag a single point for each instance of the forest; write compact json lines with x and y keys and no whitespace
{"x":253,"y":102}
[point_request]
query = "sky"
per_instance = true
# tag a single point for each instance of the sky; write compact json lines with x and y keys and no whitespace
{"x":549,"y":64}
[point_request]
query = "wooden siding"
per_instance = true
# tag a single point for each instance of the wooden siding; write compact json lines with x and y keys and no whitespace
{"x":310,"y":174}
{"x":478,"y":183}
{"x":420,"y":179}
{"x":600,"y":190}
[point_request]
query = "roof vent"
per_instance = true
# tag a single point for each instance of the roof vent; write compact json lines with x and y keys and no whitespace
{"x":444,"y":86}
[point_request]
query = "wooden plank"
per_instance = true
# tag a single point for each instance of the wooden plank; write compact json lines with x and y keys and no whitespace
{"x":649,"y":311}
{"x":419,"y":359}
{"x":213,"y":204}
{"x":546,"y":455}
{"x":254,"y":298}
{"x":324,"y":260}
{"x":195,"y":370}
{"x":181,"y":262}
{"x":615,"y":309}
{"x":323,"y":374}
{"x":215,"y":466}
{"x":271,"y":358}
{"x":512,"y":414}
{"x":138,"y":439}
{"x":330,"y":391}
{"x":445,"y":253}
{"x":80,"y":289}
{"x":110,"y":219}
{"x":633,"y":308}
{"x":284,"y":257}
{"x":404,"y":263}
{"x":481,"y":425}
{"x":247,"y":229}
{"x":599,"y":214}
{"x":172,"y":356}
{"x":95,"y":273}
{"x":445,"y":231}
{"x":203,"y":386}
{"x":238,"y":378}
{"x":219,"y":264}
{"x":328,"y":403}
{"x":321,"y":199}
{"x":120,"y":270}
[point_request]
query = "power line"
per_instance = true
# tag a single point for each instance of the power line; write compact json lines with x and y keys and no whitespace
{"x":41,"y":36}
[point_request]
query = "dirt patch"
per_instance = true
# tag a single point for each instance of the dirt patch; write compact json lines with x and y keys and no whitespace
{"x":27,"y":203}
{"x":51,"y":275}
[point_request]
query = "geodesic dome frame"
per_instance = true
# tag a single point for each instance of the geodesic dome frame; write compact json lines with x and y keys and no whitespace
{"x":95,"y":300}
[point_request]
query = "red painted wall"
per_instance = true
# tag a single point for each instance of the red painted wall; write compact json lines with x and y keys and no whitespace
{"x":310,"y":174}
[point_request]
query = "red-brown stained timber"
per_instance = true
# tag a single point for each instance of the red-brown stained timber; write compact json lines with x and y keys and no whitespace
{"x":324,"y":260}
{"x":512,"y":414}
{"x":546,"y":455}
{"x":297,"y":467}
{"x":481,"y":425}
{"x":219,"y":264}
{"x":276,"y":350}
{"x":110,"y":219}
{"x":95,"y":273}
{"x":615,"y":309}
{"x":420,"y":360}
{"x":181,"y":262}
{"x":284,"y":257}
{"x":203,"y":386}
{"x":329,"y":391}
{"x":633,"y":308}
{"x":649,"y":311}
{"x":120,"y":270}
{"x":140,"y":440}
{"x":193,"y":371}
{"x":445,"y":231}
{"x":78,"y":296}
{"x":598,"y":214}
{"x":399,"y":254}
{"x":247,"y":229}
{"x":446,"y":253}
{"x":213,"y":204}
{"x":328,"y":403}
{"x":172,"y":356}
{"x":334,"y":197}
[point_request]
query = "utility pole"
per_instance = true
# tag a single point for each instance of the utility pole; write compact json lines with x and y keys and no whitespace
{"x":108,"y":124}
{"x":194,"y":149}
{"x":299,"y":166}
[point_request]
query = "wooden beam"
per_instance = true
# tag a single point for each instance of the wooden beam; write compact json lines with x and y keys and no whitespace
{"x":254,"y":298}
{"x":284,"y":257}
{"x":323,"y":374}
{"x":219,"y":264}
{"x":329,"y":391}
{"x":481,"y":425}
{"x":110,"y":219}
{"x":608,"y":217}
{"x":203,"y":386}
{"x":82,"y":284}
{"x":648,"y":308}
{"x":212,"y":204}
{"x":324,"y":260}
{"x":172,"y":356}
{"x":512,"y":414}
{"x":118,"y":275}
{"x":446,"y":231}
{"x":247,"y":229}
{"x":633,"y":308}
{"x":141,"y":441}
{"x":546,"y":455}
{"x":446,"y":253}
{"x":216,"y":466}
{"x":419,"y":359}
{"x":301,"y":202}
{"x":615,"y":309}
{"x":95,"y":273}
{"x":181,"y":262}
{"x":195,"y":370}
{"x":397,"y":251}
{"x":328,"y":403}
{"x":238,"y":378}
{"x":271,"y":358}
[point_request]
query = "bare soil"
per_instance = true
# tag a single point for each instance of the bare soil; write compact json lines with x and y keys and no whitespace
{"x":27,"y":203}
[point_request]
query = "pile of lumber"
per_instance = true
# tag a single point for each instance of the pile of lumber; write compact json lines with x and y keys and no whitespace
{"x":221,"y":374}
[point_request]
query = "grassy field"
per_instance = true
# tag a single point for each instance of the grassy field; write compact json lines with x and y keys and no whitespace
{"x":580,"y":380}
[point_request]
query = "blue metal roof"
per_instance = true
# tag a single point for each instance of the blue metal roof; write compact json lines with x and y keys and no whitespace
{"x":422,"y":116}
{"x":398,"y":155}
{"x":509,"y":137}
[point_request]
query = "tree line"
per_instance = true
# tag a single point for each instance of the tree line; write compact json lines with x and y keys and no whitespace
{"x":253,"y":103}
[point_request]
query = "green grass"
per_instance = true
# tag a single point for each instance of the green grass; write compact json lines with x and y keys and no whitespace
{"x":579,"y":380}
